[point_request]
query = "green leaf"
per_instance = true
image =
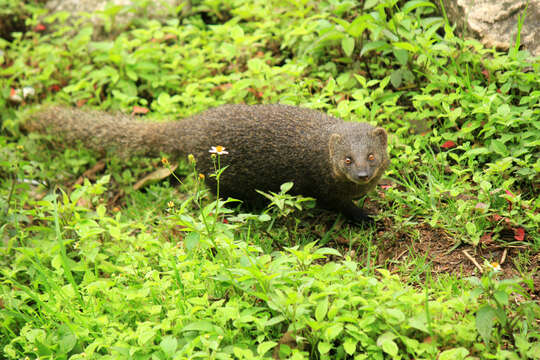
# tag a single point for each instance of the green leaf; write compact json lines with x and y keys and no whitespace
{"x":471,"y":228}
{"x":350,"y":345}
{"x":264,"y":217}
{"x":264,"y":347}
{"x":453,"y":115}
{"x":401,"y":55}
{"x":333,"y":331}
{"x":192,"y":240}
{"x":419,"y":322}
{"x":500,"y":314}
{"x":476,"y":151}
{"x":387,"y":344}
{"x":286,"y":187}
{"x":454,"y":354}
{"x":414,"y":4}
{"x":57,"y":262}
{"x":395,"y":78}
{"x":374,"y":45}
{"x":394,"y":315}
{"x":168,"y":345}
{"x":242,"y":353}
{"x":405,"y":46}
{"x":368,"y":4}
{"x":485,"y":318}
{"x":503,"y":110}
{"x":501,"y":297}
{"x":357,"y":27}
{"x":67,"y":342}
{"x":145,"y":333}
{"x":322,"y":308}
{"x":342,"y":22}
{"x":201,"y":326}
{"x":164,"y":99}
{"x":327,"y":251}
{"x":498,"y":147}
{"x":324,"y":347}
{"x":534,"y":351}
{"x":347,"y":43}
{"x":274,"y":320}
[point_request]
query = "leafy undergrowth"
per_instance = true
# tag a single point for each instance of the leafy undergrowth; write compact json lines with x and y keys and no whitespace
{"x":92,"y":268}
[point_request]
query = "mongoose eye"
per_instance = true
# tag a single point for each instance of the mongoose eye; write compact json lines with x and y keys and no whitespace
{"x":348,"y":161}
{"x":371,"y":157}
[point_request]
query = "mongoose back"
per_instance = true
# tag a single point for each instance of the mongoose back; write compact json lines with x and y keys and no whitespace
{"x":325,"y":157}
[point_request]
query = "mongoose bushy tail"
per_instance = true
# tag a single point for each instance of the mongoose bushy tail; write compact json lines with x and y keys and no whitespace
{"x":325,"y":157}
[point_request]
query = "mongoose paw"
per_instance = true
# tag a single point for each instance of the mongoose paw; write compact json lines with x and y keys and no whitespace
{"x":359,"y":216}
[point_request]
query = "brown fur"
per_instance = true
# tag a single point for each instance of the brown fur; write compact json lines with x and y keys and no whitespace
{"x":267,"y":144}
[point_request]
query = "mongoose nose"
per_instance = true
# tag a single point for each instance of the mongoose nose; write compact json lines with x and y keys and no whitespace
{"x":362,"y":175}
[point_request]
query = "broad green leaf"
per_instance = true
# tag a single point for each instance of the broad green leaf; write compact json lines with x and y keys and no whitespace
{"x":453,"y":115}
{"x":242,"y":353}
{"x":454,"y":354}
{"x":192,"y":240}
{"x":471,"y":228}
{"x":322,"y":308}
{"x":286,"y":187}
{"x":485,"y":318}
{"x":419,"y":322}
{"x":395,"y":314}
{"x":534,"y":351}
{"x":387,"y":344}
{"x":395,"y":78}
{"x":368,"y":4}
{"x":501,"y":297}
{"x":201,"y":325}
{"x":168,"y":345}
{"x":374,"y":45}
{"x":350,"y":345}
{"x":324,"y":347}
{"x":264,"y":217}
{"x":405,"y":46}
{"x":67,"y":342}
{"x":503,"y":110}
{"x":327,"y":251}
{"x":414,"y":4}
{"x":333,"y":331}
{"x":145,"y":333}
{"x":275,"y":320}
{"x":342,"y":22}
{"x":347,"y":43}
{"x":498,"y":147}
{"x":401,"y":55}
{"x":264,"y":347}
{"x":476,"y":151}
{"x":256,"y":65}
{"x":357,"y":27}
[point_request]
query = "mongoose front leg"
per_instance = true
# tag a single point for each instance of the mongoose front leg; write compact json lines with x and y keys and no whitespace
{"x":355,"y":213}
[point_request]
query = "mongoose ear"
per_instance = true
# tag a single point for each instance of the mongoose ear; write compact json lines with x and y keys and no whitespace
{"x":381,"y":134}
{"x":332,"y":143}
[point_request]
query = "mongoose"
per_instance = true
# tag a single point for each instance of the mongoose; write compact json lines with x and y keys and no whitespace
{"x":325,"y":157}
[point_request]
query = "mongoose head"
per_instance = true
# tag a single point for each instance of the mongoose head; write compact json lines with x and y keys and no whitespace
{"x":358,"y":153}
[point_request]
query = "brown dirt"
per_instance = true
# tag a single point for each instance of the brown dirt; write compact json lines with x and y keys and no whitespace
{"x":440,"y":250}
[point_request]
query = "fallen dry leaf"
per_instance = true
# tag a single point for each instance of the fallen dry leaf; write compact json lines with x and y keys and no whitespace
{"x":155,"y":176}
